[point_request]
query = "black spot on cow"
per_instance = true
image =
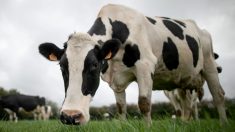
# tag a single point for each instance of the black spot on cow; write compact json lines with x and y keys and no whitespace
{"x":180,"y":23}
{"x":174,"y":29}
{"x":170,"y":54}
{"x":120,"y":30}
{"x":151,"y":20}
{"x":64,"y":66}
{"x":98,"y":28}
{"x":193,"y":45}
{"x":131,"y":55}
{"x":91,"y":73}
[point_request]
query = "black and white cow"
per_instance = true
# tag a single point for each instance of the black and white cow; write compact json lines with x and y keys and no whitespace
{"x":124,"y":46}
{"x":185,"y":100}
{"x":13,"y":104}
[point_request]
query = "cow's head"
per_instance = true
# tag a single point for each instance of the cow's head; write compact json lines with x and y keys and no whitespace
{"x":81,"y":62}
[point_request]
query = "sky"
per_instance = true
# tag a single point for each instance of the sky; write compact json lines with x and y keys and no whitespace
{"x":24,"y":24}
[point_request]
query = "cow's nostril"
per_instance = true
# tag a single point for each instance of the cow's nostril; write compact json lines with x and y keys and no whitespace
{"x":71,"y":117}
{"x":77,"y":118}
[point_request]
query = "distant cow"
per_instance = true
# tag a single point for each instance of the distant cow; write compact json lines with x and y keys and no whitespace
{"x":13,"y":104}
{"x":185,"y":100}
{"x":123,"y":45}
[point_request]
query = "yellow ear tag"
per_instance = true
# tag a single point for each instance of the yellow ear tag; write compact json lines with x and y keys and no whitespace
{"x":52,"y":57}
{"x":108,"y":56}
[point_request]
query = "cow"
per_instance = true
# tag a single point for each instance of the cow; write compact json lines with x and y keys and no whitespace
{"x":185,"y":100}
{"x":123,"y":46}
{"x":15,"y":103}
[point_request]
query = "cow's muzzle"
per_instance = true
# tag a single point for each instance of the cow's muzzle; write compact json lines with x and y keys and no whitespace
{"x":71,"y":117}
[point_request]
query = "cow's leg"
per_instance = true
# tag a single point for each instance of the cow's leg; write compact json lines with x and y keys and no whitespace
{"x":35,"y":116}
{"x":211,"y":75}
{"x":121,"y":104}
{"x":144,"y":103}
{"x":195,"y":111}
{"x":145,"y":84}
{"x":185,"y":102}
{"x":194,"y":107}
{"x":10,"y":116}
{"x":15,"y":117}
{"x":43,"y":113}
{"x":174,"y":101}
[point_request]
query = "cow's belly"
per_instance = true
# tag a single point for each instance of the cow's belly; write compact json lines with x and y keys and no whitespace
{"x":165,"y":81}
{"x":184,"y":76}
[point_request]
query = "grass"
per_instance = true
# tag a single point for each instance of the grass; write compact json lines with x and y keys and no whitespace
{"x":163,"y":125}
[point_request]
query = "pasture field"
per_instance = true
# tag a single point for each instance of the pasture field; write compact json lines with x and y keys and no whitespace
{"x":162,"y":125}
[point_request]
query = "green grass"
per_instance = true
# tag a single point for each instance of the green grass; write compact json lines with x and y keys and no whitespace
{"x":163,"y":125}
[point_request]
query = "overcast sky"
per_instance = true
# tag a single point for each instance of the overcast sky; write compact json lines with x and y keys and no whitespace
{"x":24,"y":24}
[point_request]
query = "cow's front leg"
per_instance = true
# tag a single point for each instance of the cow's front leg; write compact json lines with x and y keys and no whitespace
{"x":145,"y":108}
{"x":145,"y":84}
{"x":121,"y":104}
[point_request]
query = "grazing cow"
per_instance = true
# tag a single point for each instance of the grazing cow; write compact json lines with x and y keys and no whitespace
{"x":185,"y":100}
{"x":124,"y":46}
{"x":13,"y":104}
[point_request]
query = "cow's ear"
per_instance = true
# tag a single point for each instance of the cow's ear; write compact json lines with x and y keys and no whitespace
{"x":50,"y":51}
{"x":109,"y":49}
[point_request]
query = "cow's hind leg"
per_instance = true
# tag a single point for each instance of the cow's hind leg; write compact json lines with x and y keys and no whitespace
{"x":121,"y":104}
{"x":171,"y":95}
{"x":185,"y":102}
{"x":211,"y":75}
